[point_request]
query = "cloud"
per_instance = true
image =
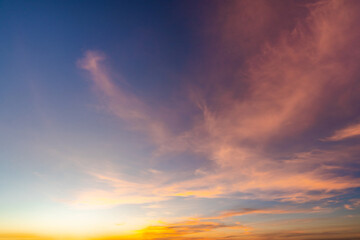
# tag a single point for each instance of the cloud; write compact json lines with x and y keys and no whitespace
{"x":302,"y":235}
{"x":344,"y":133}
{"x":121,"y":192}
{"x":288,"y":89}
{"x":119,"y":102}
{"x":246,"y":211}
{"x":183,"y":229}
{"x":196,"y":227}
{"x":353,"y":204}
{"x":301,"y":77}
{"x":289,"y":83}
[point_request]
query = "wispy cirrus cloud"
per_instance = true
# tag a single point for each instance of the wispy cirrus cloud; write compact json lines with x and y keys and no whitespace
{"x":292,"y":86}
{"x":248,"y":211}
{"x":182,"y":229}
{"x":285,"y":84}
{"x":298,"y":79}
{"x":344,"y":133}
{"x":120,"y":102}
{"x":308,"y":176}
{"x":195,"y":227}
{"x":120,"y":191}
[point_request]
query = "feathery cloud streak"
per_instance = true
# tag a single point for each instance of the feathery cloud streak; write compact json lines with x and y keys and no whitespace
{"x":347,"y":132}
{"x":288,"y":86}
{"x":123,"y":104}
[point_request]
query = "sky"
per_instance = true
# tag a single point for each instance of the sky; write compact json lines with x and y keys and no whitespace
{"x":167,"y":120}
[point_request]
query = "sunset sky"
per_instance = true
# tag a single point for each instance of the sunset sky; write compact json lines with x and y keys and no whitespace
{"x":168,"y":120}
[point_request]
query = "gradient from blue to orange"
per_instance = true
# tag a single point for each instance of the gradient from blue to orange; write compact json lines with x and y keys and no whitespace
{"x":180,"y":119}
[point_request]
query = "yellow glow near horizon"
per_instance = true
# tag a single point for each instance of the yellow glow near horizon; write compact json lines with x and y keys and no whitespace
{"x":63,"y":222}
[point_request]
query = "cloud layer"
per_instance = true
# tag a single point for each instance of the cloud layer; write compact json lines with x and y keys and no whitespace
{"x":265,"y":124}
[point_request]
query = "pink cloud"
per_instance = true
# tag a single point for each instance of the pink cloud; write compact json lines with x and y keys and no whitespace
{"x":292,"y":84}
{"x":344,"y":133}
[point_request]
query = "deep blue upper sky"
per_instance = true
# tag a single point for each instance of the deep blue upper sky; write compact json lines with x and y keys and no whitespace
{"x":150,"y":40}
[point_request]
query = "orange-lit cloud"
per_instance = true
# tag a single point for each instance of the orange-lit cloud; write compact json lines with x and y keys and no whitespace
{"x":353,"y":204}
{"x":196,"y":227}
{"x":183,"y":229}
{"x":287,"y":87}
{"x":297,"y":79}
{"x":347,"y":132}
{"x":291,"y":80}
{"x":246,"y":211}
